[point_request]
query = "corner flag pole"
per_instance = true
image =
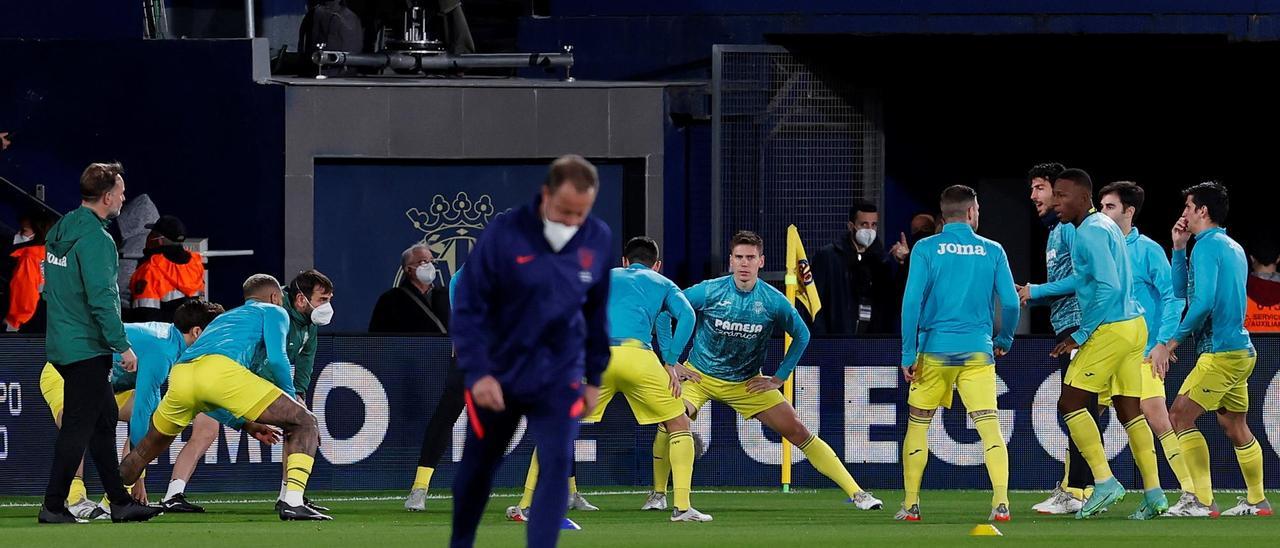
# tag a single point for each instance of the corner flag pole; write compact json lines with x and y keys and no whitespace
{"x":788,"y":387}
{"x":800,"y":288}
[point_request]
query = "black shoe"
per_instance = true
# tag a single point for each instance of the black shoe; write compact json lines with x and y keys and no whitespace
{"x":180,"y":504}
{"x":61,"y":515}
{"x":314,"y":506}
{"x":132,"y":511}
{"x":280,"y":505}
{"x":300,"y":513}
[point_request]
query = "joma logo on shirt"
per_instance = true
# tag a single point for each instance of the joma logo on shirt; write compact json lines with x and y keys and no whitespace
{"x":739,"y":327}
{"x":55,"y":260}
{"x":961,"y":249}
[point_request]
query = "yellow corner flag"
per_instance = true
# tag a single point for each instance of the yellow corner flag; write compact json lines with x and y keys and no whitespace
{"x":799,"y":275}
{"x":799,"y":286}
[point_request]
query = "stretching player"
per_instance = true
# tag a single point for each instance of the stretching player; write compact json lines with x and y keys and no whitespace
{"x":215,"y":373}
{"x":731,"y":337}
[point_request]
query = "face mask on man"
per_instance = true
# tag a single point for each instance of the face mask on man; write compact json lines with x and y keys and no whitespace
{"x":425,"y":273}
{"x":322,"y":315}
{"x":557,"y":234}
{"x":864,"y":237}
{"x":20,"y":238}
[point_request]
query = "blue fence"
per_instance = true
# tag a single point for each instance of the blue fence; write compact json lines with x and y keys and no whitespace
{"x":374,"y":395}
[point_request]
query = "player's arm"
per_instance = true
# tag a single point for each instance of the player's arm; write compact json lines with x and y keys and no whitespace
{"x":1007,"y":295}
{"x":696,"y":297}
{"x":794,"y":325}
{"x":275,"y":331}
{"x":226,"y":418}
{"x":678,"y":305}
{"x":304,"y":366}
{"x":913,"y":303}
{"x":146,"y":395}
{"x":1057,"y":288}
{"x":596,"y":312}
{"x":1101,"y":266}
{"x":1160,"y":273}
{"x":472,"y":288}
{"x":1205,"y":262}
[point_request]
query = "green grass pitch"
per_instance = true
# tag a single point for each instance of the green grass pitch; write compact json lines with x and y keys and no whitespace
{"x":743,"y":518}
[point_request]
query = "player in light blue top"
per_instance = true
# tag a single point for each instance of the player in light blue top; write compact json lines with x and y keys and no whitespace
{"x":948,"y":317}
{"x":737,"y":315}
{"x":1219,"y":383}
{"x":1112,"y":339}
{"x":215,"y":373}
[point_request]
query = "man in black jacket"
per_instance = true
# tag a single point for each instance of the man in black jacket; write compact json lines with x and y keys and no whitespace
{"x":420,"y":304}
{"x":855,"y":279}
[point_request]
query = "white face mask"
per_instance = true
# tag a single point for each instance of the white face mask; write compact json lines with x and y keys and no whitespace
{"x":19,"y":238}
{"x":322,"y":315}
{"x":425,"y":273}
{"x":558,"y":234}
{"x":864,"y":237}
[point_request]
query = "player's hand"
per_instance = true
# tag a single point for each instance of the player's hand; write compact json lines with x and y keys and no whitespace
{"x":302,"y":399}
{"x":487,"y":394}
{"x":129,"y":361}
{"x":1159,"y":361}
{"x":262,"y":432}
{"x":1064,"y":348}
{"x":902,"y":249}
{"x":1180,"y":234}
{"x":909,"y":373}
{"x":1024,"y":294}
{"x":590,"y":397}
{"x":1000,"y":352}
{"x":763,"y":384}
{"x":676,"y":390}
{"x":687,"y":373}
{"x":139,"y":492}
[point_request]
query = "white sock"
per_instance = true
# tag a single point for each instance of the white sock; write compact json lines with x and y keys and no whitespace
{"x":176,"y":487}
{"x":284,"y":488}
{"x":293,"y":498}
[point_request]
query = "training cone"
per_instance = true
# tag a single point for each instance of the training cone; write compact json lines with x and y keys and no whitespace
{"x":985,"y":530}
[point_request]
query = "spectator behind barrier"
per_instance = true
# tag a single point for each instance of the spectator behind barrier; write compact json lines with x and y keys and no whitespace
{"x":420,"y":303}
{"x":1262,"y":314}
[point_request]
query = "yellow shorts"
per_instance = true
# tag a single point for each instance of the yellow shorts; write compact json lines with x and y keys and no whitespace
{"x":1220,"y":380}
{"x":733,"y":394}
{"x":1110,"y":361}
{"x":938,"y":377}
{"x":636,"y":373}
{"x":210,"y":382}
{"x":51,"y":387}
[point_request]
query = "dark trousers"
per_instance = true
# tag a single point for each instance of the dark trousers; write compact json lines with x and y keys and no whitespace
{"x":89,"y":416}
{"x":440,"y":429}
{"x":1079,"y":475}
{"x":553,"y":425}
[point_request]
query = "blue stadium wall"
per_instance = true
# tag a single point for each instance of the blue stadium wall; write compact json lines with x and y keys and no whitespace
{"x":374,"y":396}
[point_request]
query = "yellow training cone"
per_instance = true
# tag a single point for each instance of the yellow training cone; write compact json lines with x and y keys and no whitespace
{"x":985,"y":530}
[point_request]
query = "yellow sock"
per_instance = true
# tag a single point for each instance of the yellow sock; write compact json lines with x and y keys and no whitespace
{"x":1250,"y":458}
{"x":530,"y":481}
{"x":681,"y":453}
{"x":661,"y":464}
{"x":422,"y":479}
{"x":77,"y":492}
{"x":298,"y":466}
{"x":1195,"y":451}
{"x":915,"y":455}
{"x":824,"y":460}
{"x":1173,"y":455}
{"x":996,"y":456}
{"x":1143,"y":446}
{"x":1084,"y":430}
{"x":573,"y":484}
